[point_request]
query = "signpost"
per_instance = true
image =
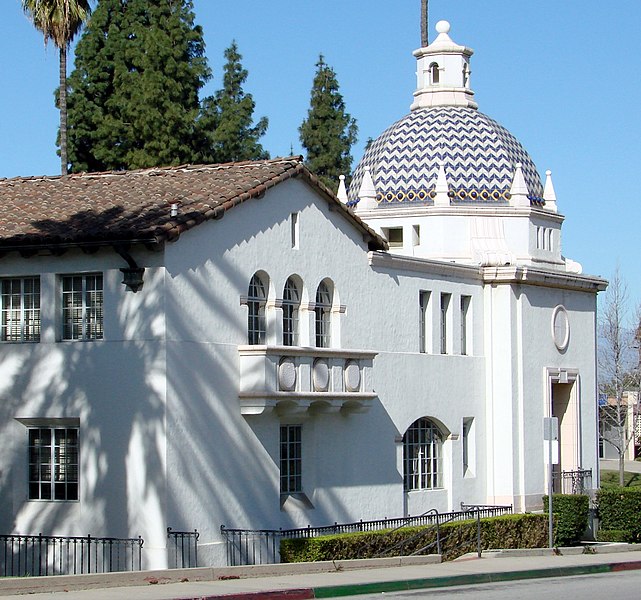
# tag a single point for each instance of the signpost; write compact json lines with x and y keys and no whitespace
{"x":550,"y":435}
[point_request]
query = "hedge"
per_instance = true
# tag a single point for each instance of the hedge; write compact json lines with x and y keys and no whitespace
{"x":614,"y":535}
{"x":619,"y":509}
{"x":571,"y":521}
{"x":457,"y":538}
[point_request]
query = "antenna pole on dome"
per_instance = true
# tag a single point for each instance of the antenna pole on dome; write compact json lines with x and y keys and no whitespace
{"x":424,"y":23}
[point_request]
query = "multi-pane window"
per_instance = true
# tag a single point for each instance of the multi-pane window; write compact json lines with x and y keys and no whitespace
{"x":465,"y":318}
{"x":82,"y":307}
{"x":445,"y":307}
{"x":322,"y":314}
{"x":256,"y":300}
{"x":20,"y":308}
{"x":291,"y":303}
{"x":291,"y":480}
{"x":422,"y":456}
{"x":53,"y":463}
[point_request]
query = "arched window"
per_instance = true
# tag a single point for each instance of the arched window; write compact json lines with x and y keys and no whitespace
{"x":322,"y":312}
{"x":291,"y":302}
{"x":434,"y":73}
{"x":422,"y":456}
{"x":256,"y":299}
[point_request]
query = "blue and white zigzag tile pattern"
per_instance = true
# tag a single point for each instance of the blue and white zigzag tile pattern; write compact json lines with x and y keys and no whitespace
{"x":479,"y":157}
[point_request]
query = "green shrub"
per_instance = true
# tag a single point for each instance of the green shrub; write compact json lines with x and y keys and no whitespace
{"x":571,"y":521}
{"x":614,"y":535}
{"x":620,"y":509}
{"x":457,"y":538}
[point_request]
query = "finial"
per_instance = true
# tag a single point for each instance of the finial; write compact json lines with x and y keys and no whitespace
{"x":443,"y":27}
{"x":519,"y":192}
{"x":367,"y":193}
{"x":549,"y":195}
{"x":342,"y":191}
{"x":441,"y":189}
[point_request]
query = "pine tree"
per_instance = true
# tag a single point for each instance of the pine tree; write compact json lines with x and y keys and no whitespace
{"x":133,"y":99}
{"x":329,"y":132}
{"x":227,"y":117}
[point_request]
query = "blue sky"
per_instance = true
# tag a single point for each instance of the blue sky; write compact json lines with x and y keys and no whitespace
{"x":561,"y":75}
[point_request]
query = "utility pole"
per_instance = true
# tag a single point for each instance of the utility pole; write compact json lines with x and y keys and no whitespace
{"x":424,"y":23}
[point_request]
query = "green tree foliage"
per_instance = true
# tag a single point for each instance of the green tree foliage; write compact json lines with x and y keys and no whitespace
{"x":329,"y":132}
{"x":133,"y":99}
{"x":227,"y":118}
{"x":59,"y":21}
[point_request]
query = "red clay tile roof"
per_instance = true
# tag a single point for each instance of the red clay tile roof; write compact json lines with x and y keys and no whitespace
{"x":134,"y":206}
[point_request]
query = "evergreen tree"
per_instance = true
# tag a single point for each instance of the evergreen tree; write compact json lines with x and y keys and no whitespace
{"x":227,"y":117}
{"x":133,"y":99}
{"x":328,"y":132}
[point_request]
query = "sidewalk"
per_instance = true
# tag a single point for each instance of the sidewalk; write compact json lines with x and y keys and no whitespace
{"x":609,"y":464}
{"x":306,"y":581}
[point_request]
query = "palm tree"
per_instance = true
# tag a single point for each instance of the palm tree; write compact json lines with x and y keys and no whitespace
{"x":59,"y":21}
{"x":424,"y":41}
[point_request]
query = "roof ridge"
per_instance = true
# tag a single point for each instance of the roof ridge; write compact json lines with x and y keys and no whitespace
{"x":296,"y":159}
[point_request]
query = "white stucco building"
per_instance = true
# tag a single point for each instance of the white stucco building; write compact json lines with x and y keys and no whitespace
{"x":281,"y":365}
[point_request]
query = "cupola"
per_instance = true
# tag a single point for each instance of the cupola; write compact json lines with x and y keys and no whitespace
{"x":443,"y":73}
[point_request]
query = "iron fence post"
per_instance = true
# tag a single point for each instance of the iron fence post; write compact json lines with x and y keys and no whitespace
{"x":88,"y":554}
{"x":478,"y":532}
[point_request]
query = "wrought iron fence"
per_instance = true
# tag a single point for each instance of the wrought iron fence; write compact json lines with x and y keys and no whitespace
{"x":182,"y":548}
{"x":573,"y":482}
{"x":37,"y":555}
{"x":262,"y":546}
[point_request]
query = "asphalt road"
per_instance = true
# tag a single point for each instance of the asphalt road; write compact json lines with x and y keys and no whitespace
{"x":615,"y":586}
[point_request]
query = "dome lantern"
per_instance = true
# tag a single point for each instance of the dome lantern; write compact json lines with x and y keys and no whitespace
{"x":443,"y":73}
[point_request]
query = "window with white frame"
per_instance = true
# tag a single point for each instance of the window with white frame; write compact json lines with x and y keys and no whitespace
{"x":465,"y":323}
{"x":82,"y":307}
{"x":20,"y":309}
{"x":256,"y":301}
{"x":444,"y":316}
{"x":53,"y":463}
{"x":468,"y":446}
{"x":291,"y":304}
{"x":322,"y":315}
{"x":435,"y":75}
{"x":295,"y":228}
{"x":394,"y":236}
{"x":422,"y":456}
{"x":291,"y":466}
{"x":424,"y":320}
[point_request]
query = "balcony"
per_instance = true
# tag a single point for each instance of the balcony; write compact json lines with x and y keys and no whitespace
{"x":293,"y":380}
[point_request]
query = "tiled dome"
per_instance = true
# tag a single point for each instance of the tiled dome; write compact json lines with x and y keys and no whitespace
{"x":478,"y":154}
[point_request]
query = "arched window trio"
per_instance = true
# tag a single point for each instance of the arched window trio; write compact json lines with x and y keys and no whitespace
{"x":423,"y":440}
{"x":290,"y":304}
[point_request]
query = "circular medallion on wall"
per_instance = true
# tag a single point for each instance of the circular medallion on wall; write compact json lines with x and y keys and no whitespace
{"x":352,"y":376}
{"x":287,"y":375}
{"x":320,"y":375}
{"x":560,"y":328}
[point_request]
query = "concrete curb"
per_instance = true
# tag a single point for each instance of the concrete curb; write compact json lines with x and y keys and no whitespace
{"x":338,"y":591}
{"x":67,"y":583}
{"x":411,"y":579}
